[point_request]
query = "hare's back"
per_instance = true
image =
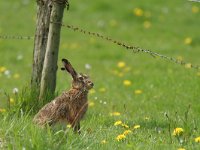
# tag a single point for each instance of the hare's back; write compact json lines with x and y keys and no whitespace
{"x":46,"y":114}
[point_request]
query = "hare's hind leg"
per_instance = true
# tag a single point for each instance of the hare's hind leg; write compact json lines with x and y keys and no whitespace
{"x":77,"y":128}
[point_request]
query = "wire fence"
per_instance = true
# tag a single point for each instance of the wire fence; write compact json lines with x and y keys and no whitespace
{"x":16,"y":37}
{"x":134,"y":49}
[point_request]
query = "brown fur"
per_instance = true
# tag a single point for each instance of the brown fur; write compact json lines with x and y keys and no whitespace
{"x":70,"y":106}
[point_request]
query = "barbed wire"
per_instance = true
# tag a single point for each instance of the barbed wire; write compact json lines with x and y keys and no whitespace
{"x":135,"y":49}
{"x":194,"y":0}
{"x":16,"y":37}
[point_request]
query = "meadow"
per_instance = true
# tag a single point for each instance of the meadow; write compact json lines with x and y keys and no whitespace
{"x":138,"y":101}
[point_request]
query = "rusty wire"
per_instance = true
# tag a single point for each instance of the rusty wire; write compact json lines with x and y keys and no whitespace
{"x":134,"y":49}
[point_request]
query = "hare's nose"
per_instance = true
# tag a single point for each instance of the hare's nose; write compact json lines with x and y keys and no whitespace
{"x":91,"y":84}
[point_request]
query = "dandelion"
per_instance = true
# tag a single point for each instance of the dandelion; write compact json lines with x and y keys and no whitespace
{"x":181,"y":149}
{"x":147,"y":24}
{"x":121,"y":64}
{"x":146,"y":118}
{"x":103,"y":142}
{"x":119,"y":122}
{"x":115,"y":113}
{"x":2,"y":69}
{"x":138,"y":12}
{"x":92,"y":91}
{"x":16,"y":76}
{"x":136,"y":126}
{"x":69,"y":126}
{"x":137,"y":92}
{"x":91,"y":104}
{"x":124,"y":125}
{"x":2,"y":110}
{"x":126,"y":132}
{"x":102,"y":90}
{"x":195,"y":9}
{"x":15,"y":90}
{"x":188,"y":41}
{"x":127,"y":82}
{"x":197,"y":139}
{"x":7,"y":73}
{"x":88,"y":66}
{"x":12,"y":101}
{"x":188,"y":65}
{"x":19,"y":57}
{"x":178,"y":131}
{"x":120,"y":137}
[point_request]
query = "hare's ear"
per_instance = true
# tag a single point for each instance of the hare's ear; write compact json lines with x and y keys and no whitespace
{"x":69,"y":68}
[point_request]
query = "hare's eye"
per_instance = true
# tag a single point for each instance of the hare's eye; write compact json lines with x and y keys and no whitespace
{"x":80,"y":78}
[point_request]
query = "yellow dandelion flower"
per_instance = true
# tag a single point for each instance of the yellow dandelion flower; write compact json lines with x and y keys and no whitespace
{"x":126,"y":132}
{"x":181,"y":149}
{"x":188,"y":65}
{"x":195,"y":9}
{"x":115,"y":113}
{"x":136,"y":126}
{"x":12,"y":101}
{"x":124,"y":125}
{"x":138,"y":12}
{"x":16,"y":76}
{"x":92,"y":91}
{"x":121,"y":64}
{"x":120,"y":137}
{"x":118,"y":123}
{"x":188,"y":41}
{"x":2,"y":110}
{"x":91,"y":104}
{"x":2,"y":69}
{"x":69,"y":126}
{"x":102,"y":90}
{"x":178,"y":131}
{"x":138,"y":92}
{"x":146,"y":118}
{"x":127,"y":82}
{"x":103,"y":142}
{"x":147,"y":24}
{"x":197,"y":139}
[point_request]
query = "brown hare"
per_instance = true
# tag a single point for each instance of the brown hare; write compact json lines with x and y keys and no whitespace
{"x":71,"y":105}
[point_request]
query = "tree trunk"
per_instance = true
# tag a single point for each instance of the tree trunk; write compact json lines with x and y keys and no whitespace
{"x":40,"y":42}
{"x":48,"y":80}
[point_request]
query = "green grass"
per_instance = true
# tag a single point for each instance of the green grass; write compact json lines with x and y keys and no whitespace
{"x":167,"y":87}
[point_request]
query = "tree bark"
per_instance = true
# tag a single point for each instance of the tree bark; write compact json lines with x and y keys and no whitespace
{"x":40,"y":41}
{"x":48,"y":80}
